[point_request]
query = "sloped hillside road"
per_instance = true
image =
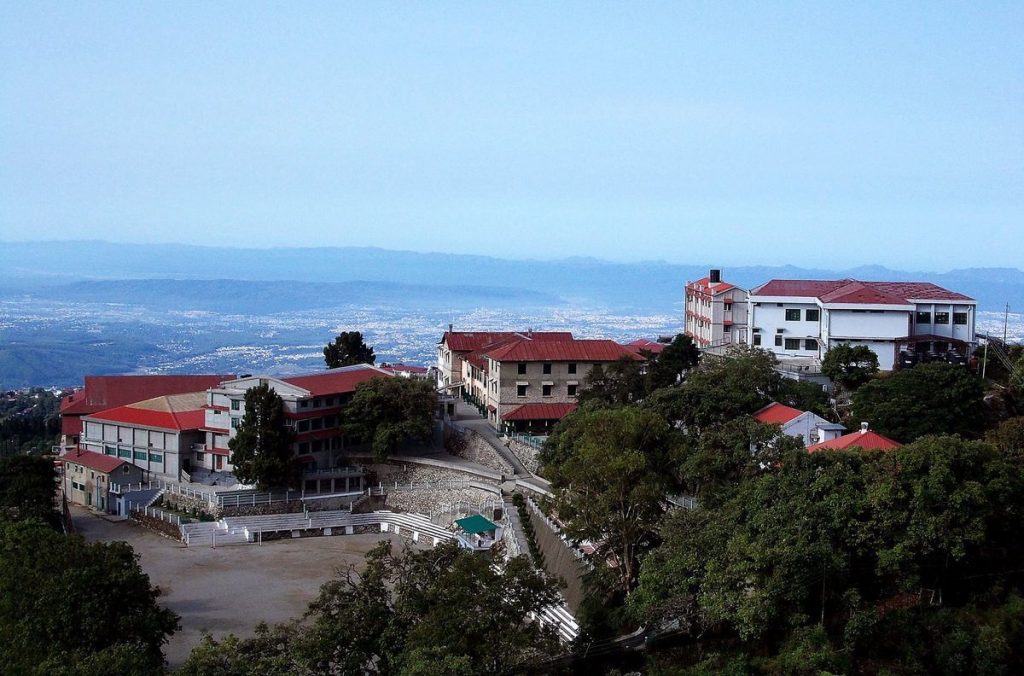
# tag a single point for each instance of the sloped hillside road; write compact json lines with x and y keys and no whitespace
{"x":468,"y":418}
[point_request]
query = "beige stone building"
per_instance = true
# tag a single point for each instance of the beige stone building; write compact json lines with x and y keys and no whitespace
{"x":532,"y":384}
{"x":95,"y":480}
{"x":455,"y":346}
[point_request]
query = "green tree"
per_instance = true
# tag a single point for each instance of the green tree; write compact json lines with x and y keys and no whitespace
{"x":261,"y":450}
{"x":927,"y":399}
{"x":671,"y":366}
{"x":618,"y":383}
{"x":850,"y":366}
{"x":824,"y":558}
{"x":720,"y":389}
{"x":610,"y":469}
{"x":443,"y":610}
{"x":348,"y":349}
{"x":1017,"y":378}
{"x":388,"y":410}
{"x":1008,"y":437}
{"x":27,"y":487}
{"x":65,"y":601}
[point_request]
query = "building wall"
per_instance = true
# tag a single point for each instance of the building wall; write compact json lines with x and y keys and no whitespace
{"x":85,"y":486}
{"x":964,"y":332}
{"x":870,"y":324}
{"x":153,"y":450}
{"x":502,"y":392}
{"x":768,"y":320}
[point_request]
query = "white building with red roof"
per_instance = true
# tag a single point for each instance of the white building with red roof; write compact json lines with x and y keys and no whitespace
{"x":864,"y":439}
{"x":530,"y":384}
{"x":156,"y":435}
{"x":803,"y":319}
{"x":808,"y":426}
{"x":312,"y":404}
{"x":716,"y":312}
{"x":104,"y":392}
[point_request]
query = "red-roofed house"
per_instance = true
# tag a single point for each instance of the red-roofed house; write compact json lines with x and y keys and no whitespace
{"x":810,"y":427}
{"x":103,"y":392}
{"x":313,"y":404}
{"x":157,"y":435}
{"x":716,"y":311}
{"x":88,"y":478}
{"x":641,"y":345}
{"x":864,"y":438}
{"x":527,"y":380}
{"x":455,"y":345}
{"x":802,"y":319}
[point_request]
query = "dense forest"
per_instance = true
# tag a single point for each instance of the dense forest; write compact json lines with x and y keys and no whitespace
{"x":29,"y":421}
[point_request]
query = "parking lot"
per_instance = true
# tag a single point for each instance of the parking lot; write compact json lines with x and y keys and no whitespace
{"x":231,"y":589}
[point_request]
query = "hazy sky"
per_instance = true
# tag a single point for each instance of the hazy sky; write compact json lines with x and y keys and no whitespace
{"x":823,"y":133}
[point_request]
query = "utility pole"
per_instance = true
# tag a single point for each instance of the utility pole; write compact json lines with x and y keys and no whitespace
{"x":1006,"y":316}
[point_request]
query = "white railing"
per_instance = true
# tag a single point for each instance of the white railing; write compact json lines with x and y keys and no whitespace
{"x":156,"y":513}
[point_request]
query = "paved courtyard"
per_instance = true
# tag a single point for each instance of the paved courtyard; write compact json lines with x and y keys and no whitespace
{"x":231,"y":589}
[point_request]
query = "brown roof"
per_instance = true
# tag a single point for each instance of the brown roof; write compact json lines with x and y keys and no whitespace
{"x":337,"y":381}
{"x":174,"y":412}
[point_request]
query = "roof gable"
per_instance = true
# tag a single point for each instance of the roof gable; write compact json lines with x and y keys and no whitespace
{"x":866,"y":440}
{"x":777,"y":414}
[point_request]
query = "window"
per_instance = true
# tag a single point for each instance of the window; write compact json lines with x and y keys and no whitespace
{"x":303,"y":426}
{"x":546,"y":390}
{"x":109,"y":450}
{"x":140,"y":455}
{"x":941,"y":317}
{"x":156,"y":457}
{"x":812,"y":315}
{"x":792,"y":343}
{"x":521,"y":368}
{"x":778,"y":340}
{"x":304,"y":403}
{"x":126,"y":469}
{"x":960,"y":318}
{"x":571,"y":391}
{"x":547,"y":368}
{"x":521,"y":390}
{"x":124,"y":453}
{"x":757,"y":339}
{"x":810,"y":344}
{"x":235,"y":422}
{"x":235,"y":404}
{"x":793,"y":314}
{"x":572,"y":367}
{"x":316,"y":424}
{"x":924,"y":317}
{"x":317,"y":403}
{"x":200,"y":457}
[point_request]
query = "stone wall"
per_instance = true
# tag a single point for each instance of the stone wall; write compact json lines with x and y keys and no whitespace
{"x":470,"y":446}
{"x":526,"y":454}
{"x":159,"y":525}
{"x":189,"y":504}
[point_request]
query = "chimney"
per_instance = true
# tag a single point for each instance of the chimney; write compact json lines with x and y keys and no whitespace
{"x":449,"y":328}
{"x":863,"y":428}
{"x":715,"y":276}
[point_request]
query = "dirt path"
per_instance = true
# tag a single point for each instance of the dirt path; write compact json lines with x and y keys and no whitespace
{"x":231,"y":589}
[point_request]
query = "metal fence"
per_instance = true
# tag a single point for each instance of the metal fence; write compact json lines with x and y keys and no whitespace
{"x":157,"y":513}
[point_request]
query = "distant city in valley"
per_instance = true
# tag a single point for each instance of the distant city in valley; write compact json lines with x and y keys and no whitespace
{"x":59,"y":322}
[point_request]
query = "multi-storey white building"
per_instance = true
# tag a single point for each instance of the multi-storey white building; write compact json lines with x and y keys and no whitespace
{"x":716,"y":312}
{"x":312,"y":404}
{"x":802,"y":319}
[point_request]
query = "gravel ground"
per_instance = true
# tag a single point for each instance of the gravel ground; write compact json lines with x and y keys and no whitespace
{"x":231,"y":589}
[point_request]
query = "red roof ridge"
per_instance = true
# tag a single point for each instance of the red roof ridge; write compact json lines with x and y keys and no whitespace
{"x":776,"y":414}
{"x":93,"y":460}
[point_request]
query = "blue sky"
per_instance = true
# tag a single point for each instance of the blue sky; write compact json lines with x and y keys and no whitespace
{"x":829,"y":134}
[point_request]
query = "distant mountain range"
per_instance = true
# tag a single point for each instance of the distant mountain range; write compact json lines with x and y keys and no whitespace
{"x":236,"y":278}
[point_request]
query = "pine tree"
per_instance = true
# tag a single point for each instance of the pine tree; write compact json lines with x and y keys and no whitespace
{"x":261,"y":451}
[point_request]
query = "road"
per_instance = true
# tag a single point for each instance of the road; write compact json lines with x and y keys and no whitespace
{"x":467,"y":417}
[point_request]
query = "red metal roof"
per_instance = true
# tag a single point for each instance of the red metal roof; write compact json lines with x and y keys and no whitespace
{"x":776,"y":414}
{"x":144,"y":417}
{"x":94,"y":461}
{"x":868,"y":440}
{"x":540,"y":412}
{"x":404,"y":368}
{"x":567,"y":350}
{"x":103,"y":392}
{"x":704,"y":285}
{"x":467,"y":341}
{"x":644,"y":345}
{"x":853,"y":291}
{"x":337,"y":381}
